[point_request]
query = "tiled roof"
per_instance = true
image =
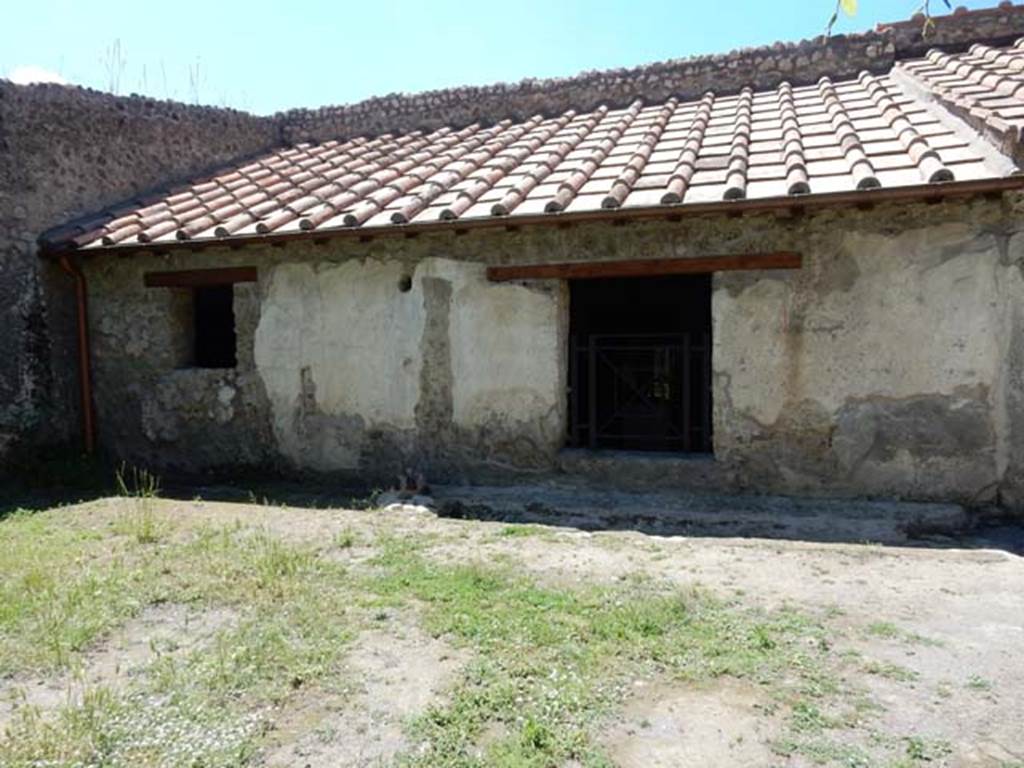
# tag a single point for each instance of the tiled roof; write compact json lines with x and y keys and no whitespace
{"x":984,"y":85}
{"x":789,"y":142}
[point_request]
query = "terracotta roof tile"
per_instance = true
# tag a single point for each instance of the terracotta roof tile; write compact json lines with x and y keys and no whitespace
{"x":984,"y":85}
{"x":862,"y":133}
{"x":686,"y":160}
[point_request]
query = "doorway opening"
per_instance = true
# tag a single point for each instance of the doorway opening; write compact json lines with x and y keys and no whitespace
{"x":640,"y":363}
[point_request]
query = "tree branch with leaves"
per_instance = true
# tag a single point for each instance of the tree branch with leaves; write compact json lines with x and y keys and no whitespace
{"x":849,"y":8}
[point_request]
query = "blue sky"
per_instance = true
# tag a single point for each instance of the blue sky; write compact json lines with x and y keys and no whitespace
{"x":265,"y":56}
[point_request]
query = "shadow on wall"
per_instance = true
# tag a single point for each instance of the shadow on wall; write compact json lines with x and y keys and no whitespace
{"x":38,"y":480}
{"x":52,"y":476}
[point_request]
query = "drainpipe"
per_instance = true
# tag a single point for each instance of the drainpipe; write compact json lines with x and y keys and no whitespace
{"x":84,"y":365}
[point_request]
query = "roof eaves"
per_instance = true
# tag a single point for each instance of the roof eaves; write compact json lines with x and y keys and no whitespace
{"x":859,"y":198}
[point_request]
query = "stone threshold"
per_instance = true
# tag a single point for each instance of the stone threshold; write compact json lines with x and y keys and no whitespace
{"x":644,"y":470}
{"x":563,"y":502}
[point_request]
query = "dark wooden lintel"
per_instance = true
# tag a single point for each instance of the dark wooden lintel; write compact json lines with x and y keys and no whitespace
{"x":193,"y":278}
{"x":582,"y":270}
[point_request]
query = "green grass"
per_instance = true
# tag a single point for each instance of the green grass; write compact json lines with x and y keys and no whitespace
{"x":140,"y":521}
{"x":979,"y":683}
{"x":551,"y":662}
{"x":345,"y":539}
{"x":546,"y":663}
{"x":889,"y":631}
{"x":136,"y":482}
{"x":920,"y":751}
{"x":139,"y":518}
{"x":891,"y":671}
{"x":823,"y":751}
{"x":808,"y":718}
{"x":520,"y":530}
{"x":60,"y":589}
{"x":63,"y":590}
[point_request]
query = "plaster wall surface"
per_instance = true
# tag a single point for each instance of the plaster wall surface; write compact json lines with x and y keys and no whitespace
{"x":67,"y":152}
{"x":508,"y":346}
{"x":152,"y":408}
{"x":891,"y":364}
{"x":872,"y":368}
{"x":338,"y":350}
{"x":342,"y":349}
{"x":1010,"y":385}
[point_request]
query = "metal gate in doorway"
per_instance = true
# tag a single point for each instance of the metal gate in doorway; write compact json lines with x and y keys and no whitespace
{"x":641,"y":391}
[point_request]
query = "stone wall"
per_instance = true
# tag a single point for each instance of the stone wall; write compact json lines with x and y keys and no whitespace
{"x":801,"y":63}
{"x":65,"y":152}
{"x":890,"y":364}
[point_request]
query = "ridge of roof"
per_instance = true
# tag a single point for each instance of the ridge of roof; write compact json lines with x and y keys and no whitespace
{"x":763,"y":67}
{"x":799,"y":63}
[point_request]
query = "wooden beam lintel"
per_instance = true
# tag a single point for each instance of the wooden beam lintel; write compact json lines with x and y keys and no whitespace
{"x":582,"y":270}
{"x":194,"y":278}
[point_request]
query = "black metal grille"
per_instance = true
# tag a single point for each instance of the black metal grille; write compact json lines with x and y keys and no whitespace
{"x":641,"y":392}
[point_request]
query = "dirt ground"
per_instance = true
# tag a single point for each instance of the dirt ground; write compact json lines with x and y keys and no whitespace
{"x":399,"y":671}
{"x":166,"y":629}
{"x":938,"y":634}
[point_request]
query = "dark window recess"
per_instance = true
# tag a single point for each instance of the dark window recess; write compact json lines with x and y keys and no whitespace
{"x":640,"y":363}
{"x":214,"y":326}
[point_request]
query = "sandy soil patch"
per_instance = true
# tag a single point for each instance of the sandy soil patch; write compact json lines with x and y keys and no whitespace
{"x":397,"y":672}
{"x":669,"y":726}
{"x":158,"y":631}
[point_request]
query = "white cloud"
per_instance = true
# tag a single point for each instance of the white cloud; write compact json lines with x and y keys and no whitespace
{"x":24,"y":74}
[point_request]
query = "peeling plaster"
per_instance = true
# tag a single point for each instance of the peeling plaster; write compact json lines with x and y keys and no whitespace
{"x":890,"y":364}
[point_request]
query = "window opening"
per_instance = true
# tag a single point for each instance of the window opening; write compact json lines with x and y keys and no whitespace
{"x":214,"y":337}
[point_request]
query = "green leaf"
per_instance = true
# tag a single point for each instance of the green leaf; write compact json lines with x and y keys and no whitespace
{"x":849,"y":7}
